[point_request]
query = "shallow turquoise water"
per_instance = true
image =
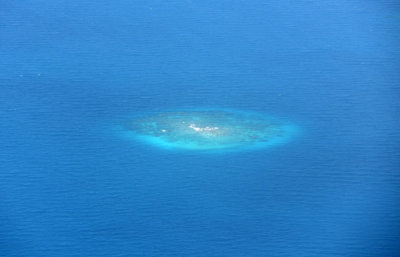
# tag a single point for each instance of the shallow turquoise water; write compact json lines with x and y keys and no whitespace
{"x":209,"y":129}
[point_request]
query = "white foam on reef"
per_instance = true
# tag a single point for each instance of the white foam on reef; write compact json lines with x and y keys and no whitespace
{"x":210,"y":129}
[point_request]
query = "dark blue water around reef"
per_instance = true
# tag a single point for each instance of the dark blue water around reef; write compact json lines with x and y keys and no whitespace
{"x":71,"y":185}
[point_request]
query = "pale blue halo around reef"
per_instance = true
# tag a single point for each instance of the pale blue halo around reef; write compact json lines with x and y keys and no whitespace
{"x":210,"y":129}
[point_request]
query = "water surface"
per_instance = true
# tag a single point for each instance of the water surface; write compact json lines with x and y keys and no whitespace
{"x":70,"y":71}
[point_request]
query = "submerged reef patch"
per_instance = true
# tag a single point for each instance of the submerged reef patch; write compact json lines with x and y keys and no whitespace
{"x":209,"y":129}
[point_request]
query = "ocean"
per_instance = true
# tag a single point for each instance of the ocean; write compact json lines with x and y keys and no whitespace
{"x":71,"y":72}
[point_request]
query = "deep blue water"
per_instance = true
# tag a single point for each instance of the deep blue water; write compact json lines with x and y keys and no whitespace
{"x":70,"y":185}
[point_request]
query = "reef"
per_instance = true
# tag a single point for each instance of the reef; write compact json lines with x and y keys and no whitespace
{"x":208,"y":129}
